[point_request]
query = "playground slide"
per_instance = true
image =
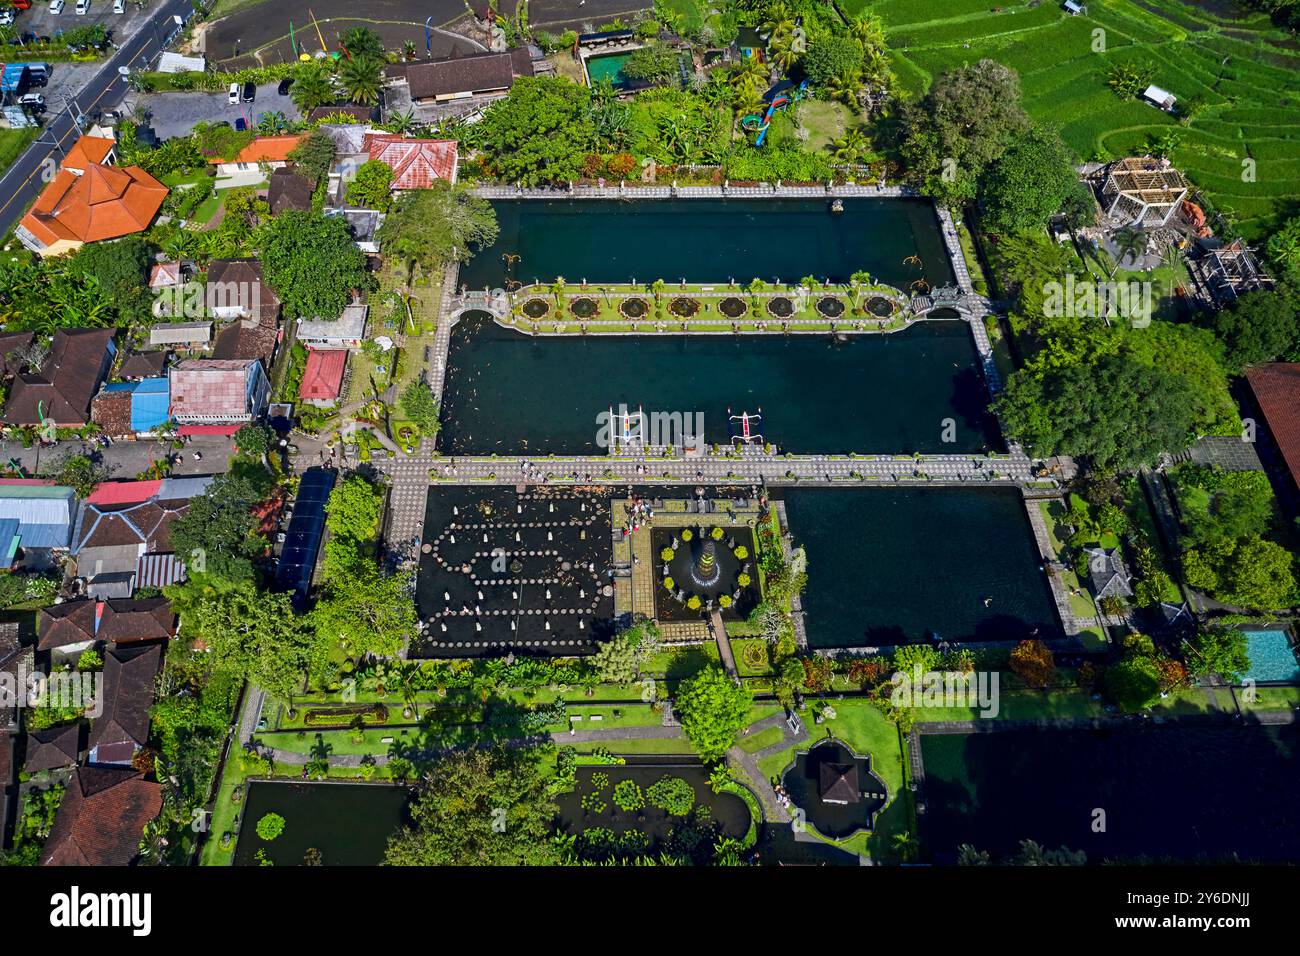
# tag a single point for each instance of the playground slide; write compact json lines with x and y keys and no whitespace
{"x":761,"y":123}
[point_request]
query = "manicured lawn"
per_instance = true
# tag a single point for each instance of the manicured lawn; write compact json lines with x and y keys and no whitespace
{"x":1271,"y":698}
{"x":825,"y":121}
{"x":764,"y":738}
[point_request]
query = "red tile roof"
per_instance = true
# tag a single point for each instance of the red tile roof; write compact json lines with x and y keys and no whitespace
{"x":416,"y":163}
{"x":323,"y":376}
{"x":1277,"y":389}
{"x":212,"y":388}
{"x":123,"y":492}
{"x":87,"y":150}
{"x":103,"y":203}
{"x":102,"y":818}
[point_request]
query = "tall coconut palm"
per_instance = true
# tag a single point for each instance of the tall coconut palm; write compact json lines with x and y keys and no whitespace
{"x":361,"y":80}
{"x":783,"y":52}
{"x":778,"y":18}
{"x":749,"y":77}
{"x":845,"y":87}
{"x":312,"y":87}
{"x":849,"y":147}
{"x":362,"y":43}
{"x":868,"y":30}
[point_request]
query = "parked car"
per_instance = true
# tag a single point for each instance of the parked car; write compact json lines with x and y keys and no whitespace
{"x":56,"y":6}
{"x":283,"y":88}
{"x":233,"y":97}
{"x":250,"y":92}
{"x":83,"y":7}
{"x":32,"y":101}
{"x":7,"y":17}
{"x":119,"y":6}
{"x":240,"y":125}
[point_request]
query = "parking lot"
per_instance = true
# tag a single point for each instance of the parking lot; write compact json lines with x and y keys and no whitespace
{"x":40,"y":21}
{"x":174,"y":114}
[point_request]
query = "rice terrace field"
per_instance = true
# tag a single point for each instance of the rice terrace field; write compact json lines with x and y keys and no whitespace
{"x":1241,"y":72}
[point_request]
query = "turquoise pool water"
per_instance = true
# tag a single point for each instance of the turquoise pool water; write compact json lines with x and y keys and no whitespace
{"x":1271,"y":657}
{"x":608,"y":67}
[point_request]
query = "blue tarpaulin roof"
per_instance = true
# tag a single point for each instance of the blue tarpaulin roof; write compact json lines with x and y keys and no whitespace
{"x":9,"y":541}
{"x":12,"y":77}
{"x":150,"y":401}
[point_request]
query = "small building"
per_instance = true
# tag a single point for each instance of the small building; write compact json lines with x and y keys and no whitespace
{"x":181,"y":335}
{"x":43,"y":517}
{"x":1107,"y":574}
{"x":60,"y":391}
{"x":15,"y":351}
{"x":838,"y":782}
{"x":17,"y":662}
{"x":322,"y":379}
{"x":89,"y":151}
{"x":364,"y":225}
{"x":123,"y":726}
{"x":416,"y":163}
{"x":486,"y":75}
{"x":1276,"y":387}
{"x":68,"y":628}
{"x":54,"y":749}
{"x":348,"y":331}
{"x":132,"y":409}
{"x":170,"y":275}
{"x":1075,"y":9}
{"x":102,"y":818}
{"x":1225,"y":271}
{"x":138,"y":365}
{"x":271,"y":152}
{"x":237,"y":291}
{"x":73,"y":627}
{"x":289,"y":189}
{"x":114,"y":532}
{"x":171,"y":62}
{"x":1142,"y":192}
{"x":1160,"y":97}
{"x":218,"y":391}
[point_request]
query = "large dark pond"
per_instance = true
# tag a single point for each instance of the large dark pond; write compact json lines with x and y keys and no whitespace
{"x":1178,"y":791}
{"x":349,"y":823}
{"x":889,"y":566}
{"x":512,"y":393}
{"x":706,"y":240}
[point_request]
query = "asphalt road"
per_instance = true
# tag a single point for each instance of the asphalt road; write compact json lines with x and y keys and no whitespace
{"x":34,"y":168}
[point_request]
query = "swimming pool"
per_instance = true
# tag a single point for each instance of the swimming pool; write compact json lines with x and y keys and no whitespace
{"x":1271,"y":657}
{"x":609,"y":67}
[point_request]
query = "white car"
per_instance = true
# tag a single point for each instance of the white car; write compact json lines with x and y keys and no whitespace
{"x":119,"y":6}
{"x":7,"y":17}
{"x":233,"y":98}
{"x":83,"y":7}
{"x":56,"y":6}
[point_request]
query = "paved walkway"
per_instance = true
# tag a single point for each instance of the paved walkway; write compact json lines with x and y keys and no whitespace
{"x":719,"y":632}
{"x":672,"y":191}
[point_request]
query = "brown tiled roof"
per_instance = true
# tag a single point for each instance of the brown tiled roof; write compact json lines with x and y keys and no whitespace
{"x":71,"y":622}
{"x":102,"y":818}
{"x":52,"y":749}
{"x":104,"y":202}
{"x":128,"y":622}
{"x":111,"y":411}
{"x":63,"y":387}
{"x":1277,"y":390}
{"x":239,"y":340}
{"x":13,"y":658}
{"x":240,"y":282}
{"x":289,"y":189}
{"x":142,"y":365}
{"x":10,"y":344}
{"x":478,"y":73}
{"x":123,"y":725}
{"x":141,"y":523}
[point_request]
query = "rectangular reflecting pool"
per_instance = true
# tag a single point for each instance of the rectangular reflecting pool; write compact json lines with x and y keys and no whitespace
{"x":511,"y":393}
{"x":348,"y":824}
{"x":890,"y":566}
{"x":1185,"y":792}
{"x":712,"y":240}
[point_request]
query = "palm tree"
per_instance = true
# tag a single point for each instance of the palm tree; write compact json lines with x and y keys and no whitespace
{"x":749,"y":77}
{"x":362,"y":43}
{"x":845,"y":87}
{"x":849,"y":147}
{"x":401,"y":123}
{"x":557,"y":289}
{"x":408,"y":50}
{"x":362,"y":80}
{"x":657,"y":287}
{"x":1129,"y":242}
{"x":778,"y":18}
{"x":868,"y":30}
{"x":783,"y":52}
{"x":311,"y":87}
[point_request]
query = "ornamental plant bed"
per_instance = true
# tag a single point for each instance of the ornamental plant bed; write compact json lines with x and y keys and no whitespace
{"x":780,"y":306}
{"x":733,"y":307}
{"x":536,"y":308}
{"x":346,"y":716}
{"x":584,"y":307}
{"x":878,"y":305}
{"x":830,"y":306}
{"x":634,"y":308}
{"x":684,"y":306}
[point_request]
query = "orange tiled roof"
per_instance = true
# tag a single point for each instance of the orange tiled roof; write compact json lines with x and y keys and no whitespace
{"x":103,"y":203}
{"x":264,"y":149}
{"x":87,"y":150}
